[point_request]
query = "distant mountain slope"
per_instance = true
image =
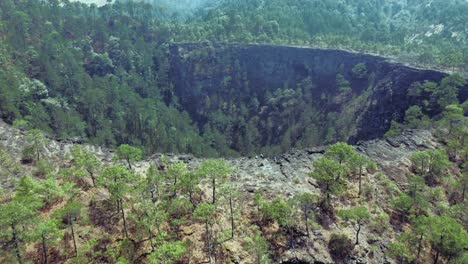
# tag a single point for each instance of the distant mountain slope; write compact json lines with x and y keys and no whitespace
{"x":96,"y":2}
{"x":173,"y":6}
{"x":430,"y":31}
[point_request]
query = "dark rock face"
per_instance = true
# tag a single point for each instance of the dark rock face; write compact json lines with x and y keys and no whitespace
{"x":208,"y":76}
{"x":389,"y":98}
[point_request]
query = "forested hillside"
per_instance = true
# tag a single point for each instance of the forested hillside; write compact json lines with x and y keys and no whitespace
{"x":81,"y":72}
{"x":91,"y":95}
{"x":428,"y":31}
{"x":102,"y":74}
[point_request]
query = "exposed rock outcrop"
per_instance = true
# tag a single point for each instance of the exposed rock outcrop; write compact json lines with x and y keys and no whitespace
{"x":286,"y":174}
{"x":213,"y":77}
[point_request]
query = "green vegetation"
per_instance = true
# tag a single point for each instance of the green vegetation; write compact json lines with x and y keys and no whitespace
{"x":14,"y":215}
{"x":340,"y":162}
{"x":150,"y":214}
{"x":307,"y":203}
{"x":420,"y":31}
{"x":129,"y":154}
{"x":84,"y":164}
{"x":441,"y":98}
{"x":358,"y":216}
{"x":101,"y":75}
{"x":36,"y":141}
{"x":167,"y":253}
{"x":258,"y":246}
{"x":360,"y":70}
{"x":447,"y":237}
{"x":217,"y":171}
{"x":330,"y":176}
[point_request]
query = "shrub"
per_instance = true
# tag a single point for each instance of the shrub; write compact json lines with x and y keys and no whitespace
{"x":28,"y":155}
{"x":43,"y":168}
{"x":359,"y":71}
{"x":340,"y":246}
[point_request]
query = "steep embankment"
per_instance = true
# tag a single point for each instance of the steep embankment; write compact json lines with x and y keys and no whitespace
{"x":270,"y":98}
{"x":285,"y":175}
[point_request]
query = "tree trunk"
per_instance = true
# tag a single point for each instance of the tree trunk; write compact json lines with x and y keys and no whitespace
{"x":151,"y":240}
{"x":290,"y":237}
{"x":419,"y":247}
{"x":214,"y":190}
{"x":207,"y":241}
{"x":327,"y":199}
{"x":423,"y":169}
{"x":463,"y":193}
{"x":436,"y":258}
{"x":360,"y":182}
{"x":232,"y":217}
{"x":177,"y":231}
{"x":306,"y":222}
{"x":215,"y":253}
{"x":450,"y":129}
{"x":357,"y":233}
{"x":118,"y":206}
{"x":191,"y":198}
{"x":15,"y":243}
{"x":157,"y":191}
{"x":44,"y":249}
{"x":124,"y":220}
{"x":174,"y":194}
{"x":129,"y":163}
{"x":73,"y":236}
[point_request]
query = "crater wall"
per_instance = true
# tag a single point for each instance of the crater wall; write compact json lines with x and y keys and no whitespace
{"x":347,"y":105}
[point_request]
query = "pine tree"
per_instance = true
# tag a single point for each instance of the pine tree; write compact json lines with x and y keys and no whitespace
{"x":217,"y":171}
{"x":306,"y":202}
{"x":329,"y":175}
{"x":84,"y":163}
{"x":448,"y":238}
{"x":15,"y":217}
{"x":116,"y":179}
{"x":340,"y":152}
{"x":45,"y":232}
{"x":71,"y":213}
{"x":129,"y":154}
{"x":358,"y":216}
{"x":36,"y":143}
{"x":206,"y":213}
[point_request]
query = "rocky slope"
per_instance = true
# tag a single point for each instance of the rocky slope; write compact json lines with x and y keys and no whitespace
{"x":283,"y":175}
{"x":286,"y":174}
{"x":330,"y":99}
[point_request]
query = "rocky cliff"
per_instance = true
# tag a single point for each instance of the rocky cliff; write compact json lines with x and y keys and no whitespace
{"x":339,"y":102}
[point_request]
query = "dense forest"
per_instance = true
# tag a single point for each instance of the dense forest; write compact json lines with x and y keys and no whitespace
{"x":428,"y":32}
{"x":100,"y":74}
